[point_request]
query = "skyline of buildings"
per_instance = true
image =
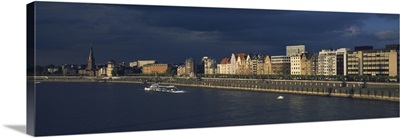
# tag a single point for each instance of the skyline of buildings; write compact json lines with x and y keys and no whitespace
{"x":364,"y":60}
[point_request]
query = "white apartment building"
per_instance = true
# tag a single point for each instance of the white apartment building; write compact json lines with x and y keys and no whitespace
{"x":332,"y":62}
{"x":327,"y":62}
{"x":295,"y":65}
{"x":223,"y":68}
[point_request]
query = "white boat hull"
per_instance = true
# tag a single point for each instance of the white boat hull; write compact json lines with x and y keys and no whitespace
{"x":162,"y":88}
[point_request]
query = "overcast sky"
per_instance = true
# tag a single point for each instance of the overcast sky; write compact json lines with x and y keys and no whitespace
{"x":126,"y":33}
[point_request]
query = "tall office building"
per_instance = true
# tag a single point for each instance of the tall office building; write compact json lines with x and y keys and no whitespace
{"x":295,"y":50}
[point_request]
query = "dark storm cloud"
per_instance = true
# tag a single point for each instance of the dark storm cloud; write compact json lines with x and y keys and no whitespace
{"x":171,"y":34}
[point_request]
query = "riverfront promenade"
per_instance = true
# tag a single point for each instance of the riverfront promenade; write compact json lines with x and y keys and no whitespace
{"x":369,"y":90}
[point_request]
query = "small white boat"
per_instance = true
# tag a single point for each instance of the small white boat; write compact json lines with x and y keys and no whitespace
{"x":162,"y":88}
{"x":37,"y":82}
{"x":279,"y":97}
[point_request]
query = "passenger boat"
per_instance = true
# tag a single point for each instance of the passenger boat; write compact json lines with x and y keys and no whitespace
{"x":163,"y":88}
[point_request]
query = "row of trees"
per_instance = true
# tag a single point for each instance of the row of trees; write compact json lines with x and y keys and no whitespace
{"x":307,"y":77}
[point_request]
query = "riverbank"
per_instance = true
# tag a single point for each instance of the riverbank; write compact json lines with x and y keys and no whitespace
{"x":371,"y":91}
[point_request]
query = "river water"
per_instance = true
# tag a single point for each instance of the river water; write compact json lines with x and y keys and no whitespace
{"x":76,"y":108}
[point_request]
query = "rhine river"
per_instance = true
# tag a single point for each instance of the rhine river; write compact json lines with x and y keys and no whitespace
{"x":76,"y":108}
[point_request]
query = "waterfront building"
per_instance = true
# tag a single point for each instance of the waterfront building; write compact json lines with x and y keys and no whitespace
{"x":295,"y":65}
{"x":224,"y":66}
{"x":373,"y":62}
{"x":69,"y":69}
{"x":248,"y":68}
{"x":306,"y":64}
{"x":314,"y":64}
{"x":395,"y":47}
{"x":102,"y":71}
{"x":255,"y":64}
{"x":327,"y":62}
{"x":341,"y":61}
{"x":210,"y":65}
{"x":280,"y":64}
{"x":267,"y":65}
{"x":154,"y":68}
{"x":241,"y":63}
{"x":260,"y":66}
{"x":332,"y":62}
{"x":295,"y":50}
{"x":190,"y":67}
{"x":180,"y":71}
{"x":301,"y":64}
{"x":141,"y":63}
{"x":110,"y":70}
{"x":91,"y":67}
{"x":234,"y":65}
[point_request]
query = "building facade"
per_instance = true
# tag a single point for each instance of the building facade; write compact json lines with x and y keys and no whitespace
{"x":327,"y":62}
{"x":255,"y":64}
{"x":154,"y":68}
{"x":280,"y":65}
{"x":242,"y":64}
{"x":301,"y":64}
{"x":373,"y":62}
{"x":267,"y":65}
{"x":234,"y":65}
{"x":210,"y":65}
{"x":295,"y":65}
{"x":190,"y":67}
{"x":141,"y":63}
{"x":102,"y":71}
{"x":314,"y":64}
{"x":224,"y":66}
{"x":180,"y":71}
{"x":111,"y":69}
{"x":295,"y":50}
{"x":69,"y":69}
{"x":341,"y":61}
{"x":306,"y":64}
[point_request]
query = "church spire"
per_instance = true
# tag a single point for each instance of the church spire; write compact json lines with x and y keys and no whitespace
{"x":91,"y":65}
{"x":91,"y":53}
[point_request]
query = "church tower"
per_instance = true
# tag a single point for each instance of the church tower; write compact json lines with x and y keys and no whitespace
{"x":91,"y":68}
{"x":90,"y":65}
